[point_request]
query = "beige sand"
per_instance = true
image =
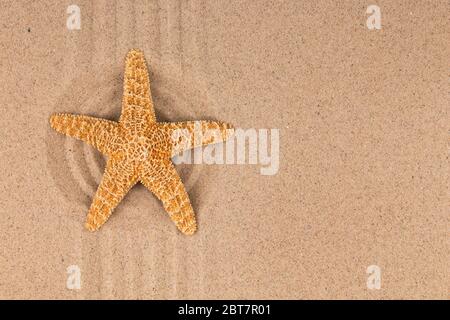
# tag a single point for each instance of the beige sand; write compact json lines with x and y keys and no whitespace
{"x":363,"y":177}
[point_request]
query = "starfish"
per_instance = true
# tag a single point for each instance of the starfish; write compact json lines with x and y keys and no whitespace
{"x":139,"y":149}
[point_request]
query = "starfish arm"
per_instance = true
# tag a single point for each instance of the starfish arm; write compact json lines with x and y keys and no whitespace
{"x":117,"y":180}
{"x":191,"y":134}
{"x":137,"y":104}
{"x":94,"y":131}
{"x":165,"y":183}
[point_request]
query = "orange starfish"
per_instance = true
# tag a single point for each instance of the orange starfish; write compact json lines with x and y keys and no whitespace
{"x":139,"y":149}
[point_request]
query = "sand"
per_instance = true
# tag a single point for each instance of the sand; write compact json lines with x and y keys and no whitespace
{"x":363,"y":173}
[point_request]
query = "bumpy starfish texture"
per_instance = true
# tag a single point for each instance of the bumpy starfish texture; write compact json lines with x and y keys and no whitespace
{"x":139,"y":149}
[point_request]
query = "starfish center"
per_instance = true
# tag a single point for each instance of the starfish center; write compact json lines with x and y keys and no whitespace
{"x":139,"y":148}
